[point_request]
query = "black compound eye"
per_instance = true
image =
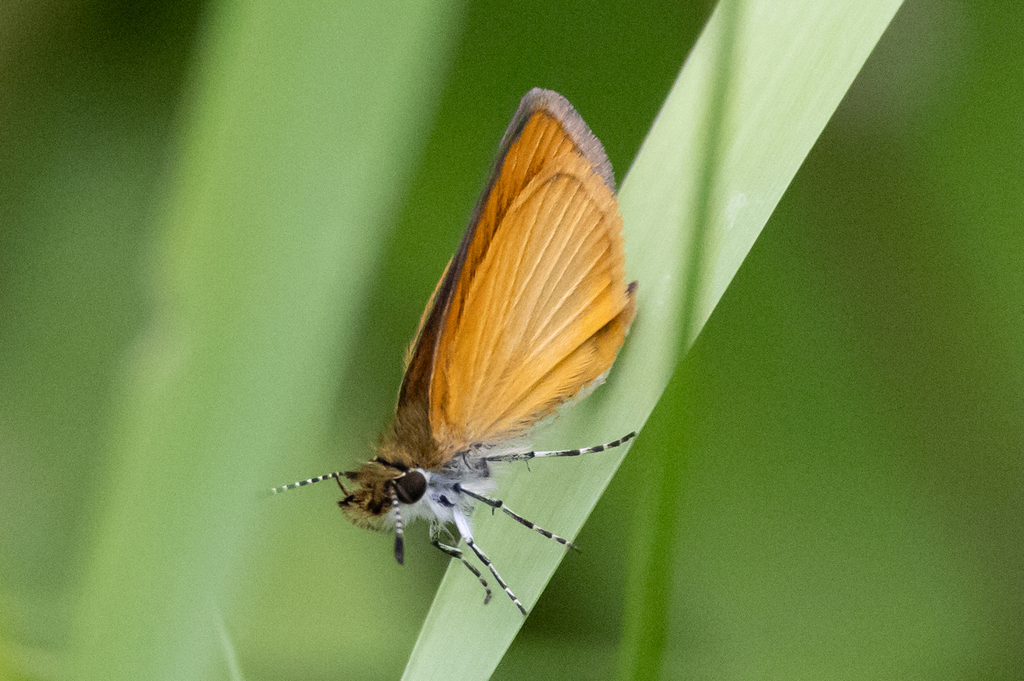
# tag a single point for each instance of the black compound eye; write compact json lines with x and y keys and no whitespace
{"x":410,"y":487}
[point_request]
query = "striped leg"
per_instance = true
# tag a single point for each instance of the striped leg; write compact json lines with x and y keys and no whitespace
{"x":455,"y":553}
{"x":302,"y":483}
{"x":497,"y":503}
{"x":490,"y":566}
{"x":526,"y":456}
{"x":399,"y":528}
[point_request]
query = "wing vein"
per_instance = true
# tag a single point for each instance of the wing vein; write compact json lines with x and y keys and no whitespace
{"x":555,"y":307}
{"x":547,"y":256}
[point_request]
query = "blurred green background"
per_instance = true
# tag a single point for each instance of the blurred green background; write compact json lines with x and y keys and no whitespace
{"x":849,"y":425}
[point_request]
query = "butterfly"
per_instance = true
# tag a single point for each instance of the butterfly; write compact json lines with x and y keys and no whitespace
{"x":529,"y":314}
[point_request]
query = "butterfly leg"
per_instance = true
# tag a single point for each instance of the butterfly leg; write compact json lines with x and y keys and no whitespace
{"x":399,"y":528}
{"x":455,"y":553}
{"x":497,"y":503}
{"x":462,"y":523}
{"x":490,"y":566}
{"x":526,"y":456}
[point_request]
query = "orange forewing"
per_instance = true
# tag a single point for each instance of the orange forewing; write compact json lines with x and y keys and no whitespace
{"x":534,"y":306}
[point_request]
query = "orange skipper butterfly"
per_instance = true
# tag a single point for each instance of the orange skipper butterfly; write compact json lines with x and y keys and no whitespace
{"x":529,"y":314}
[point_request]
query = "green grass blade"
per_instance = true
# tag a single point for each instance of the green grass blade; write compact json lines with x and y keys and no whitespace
{"x":792,"y":64}
{"x":781,"y":94}
{"x":661,"y":488}
{"x":262,"y":265}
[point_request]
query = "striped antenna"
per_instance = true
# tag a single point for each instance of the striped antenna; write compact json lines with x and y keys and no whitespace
{"x":302,"y":483}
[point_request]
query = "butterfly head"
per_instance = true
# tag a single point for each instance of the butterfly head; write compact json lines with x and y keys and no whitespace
{"x":377,"y":485}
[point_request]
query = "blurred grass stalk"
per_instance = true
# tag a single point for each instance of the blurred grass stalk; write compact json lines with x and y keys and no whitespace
{"x":298,"y":131}
{"x":754,"y":95}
